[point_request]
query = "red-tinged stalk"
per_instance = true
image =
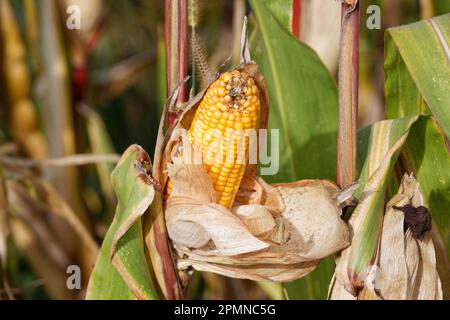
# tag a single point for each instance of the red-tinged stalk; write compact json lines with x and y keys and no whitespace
{"x":176,"y":30}
{"x":157,"y":241}
{"x":296,"y":18}
{"x":348,"y":93}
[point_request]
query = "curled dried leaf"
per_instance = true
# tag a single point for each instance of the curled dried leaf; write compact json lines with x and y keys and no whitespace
{"x":313,"y":218}
{"x":193,"y":224}
{"x":406,"y":265}
{"x":256,"y":217}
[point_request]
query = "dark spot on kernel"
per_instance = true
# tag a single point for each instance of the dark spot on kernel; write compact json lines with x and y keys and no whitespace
{"x":235,"y":91}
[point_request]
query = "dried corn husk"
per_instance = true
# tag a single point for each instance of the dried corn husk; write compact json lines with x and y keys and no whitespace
{"x":273,"y":232}
{"x":406,"y":265}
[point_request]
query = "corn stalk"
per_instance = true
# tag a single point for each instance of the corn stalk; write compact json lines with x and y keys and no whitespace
{"x":348,"y":92}
{"x":296,"y":18}
{"x":176,"y":46}
{"x":176,"y":70}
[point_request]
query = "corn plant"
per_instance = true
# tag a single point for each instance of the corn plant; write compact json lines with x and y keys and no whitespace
{"x":253,"y":164}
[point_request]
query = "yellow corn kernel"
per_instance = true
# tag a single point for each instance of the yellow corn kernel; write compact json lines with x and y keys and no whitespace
{"x":230,"y":105}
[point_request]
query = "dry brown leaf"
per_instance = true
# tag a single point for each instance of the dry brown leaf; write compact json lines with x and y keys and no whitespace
{"x":50,"y":235}
{"x":407,"y":265}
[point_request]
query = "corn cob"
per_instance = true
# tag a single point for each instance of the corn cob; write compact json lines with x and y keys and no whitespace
{"x":230,"y":106}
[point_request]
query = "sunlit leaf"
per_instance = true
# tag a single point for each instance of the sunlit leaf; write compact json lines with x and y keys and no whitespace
{"x":282,"y":11}
{"x":424,"y":49}
{"x":303,"y":107}
{"x":417,"y":68}
{"x":385,"y":143}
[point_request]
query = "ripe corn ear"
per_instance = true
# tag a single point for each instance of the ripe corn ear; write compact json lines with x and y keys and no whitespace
{"x":230,"y":107}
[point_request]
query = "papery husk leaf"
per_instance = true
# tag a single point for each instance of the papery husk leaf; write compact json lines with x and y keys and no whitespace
{"x":254,"y":190}
{"x":279,"y":234}
{"x":256,"y":217}
{"x":154,"y":225}
{"x":312,"y":216}
{"x":228,"y":233}
{"x":273,"y":232}
{"x":210,"y":237}
{"x":393,"y":247}
{"x":256,"y":272}
{"x":407,"y":265}
{"x":193,"y":223}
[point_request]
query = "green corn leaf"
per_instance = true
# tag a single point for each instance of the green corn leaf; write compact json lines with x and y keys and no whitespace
{"x":426,"y":155}
{"x":417,"y":68}
{"x":101,"y":143}
{"x":303,"y":101}
{"x":121,"y":271}
{"x":417,"y":73}
{"x":422,"y":53}
{"x":303,"y":106}
{"x":282,"y":11}
{"x":381,"y":144}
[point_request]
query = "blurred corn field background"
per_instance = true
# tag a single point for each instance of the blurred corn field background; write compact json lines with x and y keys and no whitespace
{"x":72,"y":101}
